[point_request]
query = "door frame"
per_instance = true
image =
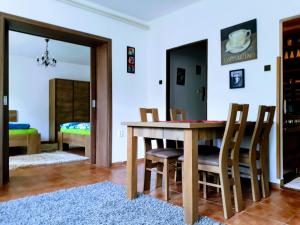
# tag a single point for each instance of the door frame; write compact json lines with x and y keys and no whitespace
{"x":279,"y":101}
{"x":168,"y":73}
{"x":101,"y":84}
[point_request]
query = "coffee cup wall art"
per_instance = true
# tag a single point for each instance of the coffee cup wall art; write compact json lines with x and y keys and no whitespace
{"x":239,"y":43}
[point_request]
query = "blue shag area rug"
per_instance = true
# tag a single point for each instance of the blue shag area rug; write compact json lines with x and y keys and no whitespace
{"x":101,"y":203}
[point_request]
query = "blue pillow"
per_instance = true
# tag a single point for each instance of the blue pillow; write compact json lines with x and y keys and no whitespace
{"x":18,"y":126}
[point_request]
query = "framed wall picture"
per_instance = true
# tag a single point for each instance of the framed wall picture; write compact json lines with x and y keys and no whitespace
{"x":180,"y":76}
{"x":130,"y":59}
{"x":237,"y":78}
{"x":239,"y":43}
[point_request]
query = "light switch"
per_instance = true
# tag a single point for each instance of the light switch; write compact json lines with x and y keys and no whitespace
{"x":267,"y":67}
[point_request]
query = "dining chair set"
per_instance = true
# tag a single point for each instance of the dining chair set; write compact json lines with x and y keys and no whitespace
{"x":225,"y":164}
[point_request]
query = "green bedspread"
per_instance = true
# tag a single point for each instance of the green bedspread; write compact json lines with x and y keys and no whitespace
{"x":23,"y":131}
{"x":75,"y":131}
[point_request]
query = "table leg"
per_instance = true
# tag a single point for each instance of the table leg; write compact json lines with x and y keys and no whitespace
{"x":131,"y":164}
{"x":190,"y":176}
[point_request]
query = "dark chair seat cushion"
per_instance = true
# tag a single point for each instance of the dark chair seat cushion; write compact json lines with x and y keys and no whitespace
{"x":244,"y":153}
{"x":165,"y":153}
{"x":207,"y":155}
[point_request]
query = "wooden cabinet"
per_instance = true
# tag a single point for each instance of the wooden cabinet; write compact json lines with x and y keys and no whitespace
{"x":69,"y":102}
{"x":291,"y":106}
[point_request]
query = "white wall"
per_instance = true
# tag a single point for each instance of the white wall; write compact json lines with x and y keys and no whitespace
{"x":204,"y":20}
{"x":129,"y":91}
{"x":29,"y":88}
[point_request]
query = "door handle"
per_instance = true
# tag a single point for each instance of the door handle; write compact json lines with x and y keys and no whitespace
{"x":203,"y":93}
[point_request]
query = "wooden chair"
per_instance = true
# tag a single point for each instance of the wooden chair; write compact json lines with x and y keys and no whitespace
{"x":161,"y":158}
{"x":178,"y":114}
{"x":256,"y":156}
{"x":219,"y":161}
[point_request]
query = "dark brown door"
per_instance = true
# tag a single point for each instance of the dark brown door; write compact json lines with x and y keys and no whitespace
{"x":4,"y":174}
{"x":291,"y":99}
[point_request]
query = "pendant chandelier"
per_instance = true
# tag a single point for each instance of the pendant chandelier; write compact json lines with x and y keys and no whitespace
{"x":45,"y":60}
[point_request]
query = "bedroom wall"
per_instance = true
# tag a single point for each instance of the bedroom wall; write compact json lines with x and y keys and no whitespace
{"x":204,"y":20}
{"x":29,"y":88}
{"x":129,"y":91}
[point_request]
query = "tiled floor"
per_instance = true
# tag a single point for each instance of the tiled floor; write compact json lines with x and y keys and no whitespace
{"x":282,"y":207}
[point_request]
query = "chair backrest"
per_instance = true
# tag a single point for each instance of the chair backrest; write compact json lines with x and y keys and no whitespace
{"x":176,"y":114}
{"x":261,"y":131}
{"x":233,"y":135}
{"x":144,"y":118}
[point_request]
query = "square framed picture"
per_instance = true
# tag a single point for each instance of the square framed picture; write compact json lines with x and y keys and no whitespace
{"x":130,"y":59}
{"x":239,"y":43}
{"x":180,"y":76}
{"x":237,"y":79}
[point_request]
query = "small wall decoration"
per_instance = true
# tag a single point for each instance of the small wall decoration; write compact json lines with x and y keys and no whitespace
{"x":237,"y":78}
{"x":239,"y":43}
{"x":198,"y":69}
{"x":180,"y":76}
{"x":130,"y":59}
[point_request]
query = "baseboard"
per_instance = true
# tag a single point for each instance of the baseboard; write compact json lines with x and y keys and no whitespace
{"x":275,"y":186}
{"x":123,"y":163}
{"x":49,"y":147}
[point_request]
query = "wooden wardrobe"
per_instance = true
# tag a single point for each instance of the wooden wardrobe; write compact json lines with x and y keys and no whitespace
{"x":69,"y":101}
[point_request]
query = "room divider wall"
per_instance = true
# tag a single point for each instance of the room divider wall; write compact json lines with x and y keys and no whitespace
{"x":101,"y":85}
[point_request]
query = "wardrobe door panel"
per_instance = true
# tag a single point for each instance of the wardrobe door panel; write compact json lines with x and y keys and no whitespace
{"x":81,"y":101}
{"x":64,"y":101}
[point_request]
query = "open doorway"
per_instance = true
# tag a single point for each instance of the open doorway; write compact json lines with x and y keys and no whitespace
{"x":291,"y":102}
{"x":100,"y":85}
{"x":50,"y":122}
{"x":187,"y":80}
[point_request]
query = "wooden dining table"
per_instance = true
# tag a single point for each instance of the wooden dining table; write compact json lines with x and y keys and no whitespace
{"x":190,"y":132}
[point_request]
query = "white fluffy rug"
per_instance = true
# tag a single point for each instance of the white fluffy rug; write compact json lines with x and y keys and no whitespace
{"x":294,"y":184}
{"x":43,"y":159}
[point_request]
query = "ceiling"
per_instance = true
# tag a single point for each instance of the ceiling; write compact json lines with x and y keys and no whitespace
{"x":144,"y":9}
{"x":33,"y":46}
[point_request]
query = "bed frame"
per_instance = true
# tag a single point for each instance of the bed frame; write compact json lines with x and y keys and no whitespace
{"x":75,"y":139}
{"x":31,"y":141}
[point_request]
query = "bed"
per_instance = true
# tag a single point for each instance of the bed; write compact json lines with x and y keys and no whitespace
{"x":29,"y":137}
{"x":77,"y":134}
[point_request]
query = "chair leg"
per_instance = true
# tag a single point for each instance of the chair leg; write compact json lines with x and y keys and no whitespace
{"x":159,"y":176}
{"x":166,"y":179}
{"x":182,"y":178}
{"x":204,"y":174}
{"x":254,"y":182}
{"x":264,"y":178}
{"x":147,"y":175}
{"x":226,"y":196}
{"x":217,"y":181}
{"x":178,"y":172}
{"x":200,"y":179}
{"x":237,"y":189}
